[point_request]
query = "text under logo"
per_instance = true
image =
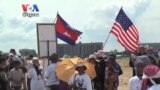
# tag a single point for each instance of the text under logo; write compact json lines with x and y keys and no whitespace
{"x":30,"y":10}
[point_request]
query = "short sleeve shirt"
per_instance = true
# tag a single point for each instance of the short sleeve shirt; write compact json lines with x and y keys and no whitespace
{"x":16,"y":75}
{"x":135,"y":83}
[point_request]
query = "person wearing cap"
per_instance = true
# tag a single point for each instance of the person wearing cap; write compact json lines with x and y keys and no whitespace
{"x":36,"y":76}
{"x":111,"y":75}
{"x":50,"y":74}
{"x":13,"y":57}
{"x":139,"y":64}
{"x":151,"y":78}
{"x":100,"y":56}
{"x":4,"y":84}
{"x":80,"y":81}
{"x":115,"y":64}
{"x":117,"y":67}
{"x":97,"y":81}
{"x":16,"y":76}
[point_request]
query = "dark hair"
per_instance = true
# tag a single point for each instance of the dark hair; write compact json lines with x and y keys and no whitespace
{"x":100,"y":58}
{"x":16,"y":62}
{"x":24,"y":69}
{"x":109,"y":61}
{"x":112,"y":54}
{"x":2,"y":59}
{"x":81,"y":66}
{"x":12,"y":50}
{"x":111,"y":58}
{"x":31,"y":56}
{"x":53,"y":58}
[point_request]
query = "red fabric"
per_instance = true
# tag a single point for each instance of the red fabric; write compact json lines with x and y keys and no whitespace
{"x":63,"y":28}
{"x":151,"y":70}
{"x":144,"y":84}
{"x":126,"y":32}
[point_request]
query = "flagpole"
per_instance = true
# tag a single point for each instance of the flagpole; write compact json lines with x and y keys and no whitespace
{"x":124,"y":3}
{"x":55,"y":19}
{"x":56,"y":34}
{"x":106,"y":40}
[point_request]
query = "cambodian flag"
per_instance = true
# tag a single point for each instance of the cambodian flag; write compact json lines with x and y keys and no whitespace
{"x":65,"y":32}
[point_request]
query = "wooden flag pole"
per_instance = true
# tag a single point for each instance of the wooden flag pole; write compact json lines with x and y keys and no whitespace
{"x":55,"y":19}
{"x":106,"y":40}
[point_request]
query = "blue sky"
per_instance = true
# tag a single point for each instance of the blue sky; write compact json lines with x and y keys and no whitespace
{"x":93,"y":17}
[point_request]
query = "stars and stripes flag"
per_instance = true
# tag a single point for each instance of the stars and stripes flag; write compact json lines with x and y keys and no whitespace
{"x":65,"y":32}
{"x":126,"y":33}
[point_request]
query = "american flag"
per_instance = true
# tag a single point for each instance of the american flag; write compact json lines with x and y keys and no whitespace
{"x":125,"y":32}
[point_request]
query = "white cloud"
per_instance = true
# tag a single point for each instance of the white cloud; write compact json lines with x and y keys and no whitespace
{"x":104,"y":16}
{"x":15,"y":34}
{"x":94,"y":18}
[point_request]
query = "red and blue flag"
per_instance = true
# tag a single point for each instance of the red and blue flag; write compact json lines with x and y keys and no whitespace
{"x":65,"y":32}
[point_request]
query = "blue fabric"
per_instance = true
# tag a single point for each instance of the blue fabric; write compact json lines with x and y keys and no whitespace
{"x":123,"y":20}
{"x":118,"y":68}
{"x":67,"y":26}
{"x":64,"y":38}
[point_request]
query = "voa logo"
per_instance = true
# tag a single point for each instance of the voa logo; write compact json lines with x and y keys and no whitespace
{"x":30,"y":10}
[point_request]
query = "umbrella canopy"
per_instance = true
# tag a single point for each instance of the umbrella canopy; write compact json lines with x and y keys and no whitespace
{"x":66,"y":68}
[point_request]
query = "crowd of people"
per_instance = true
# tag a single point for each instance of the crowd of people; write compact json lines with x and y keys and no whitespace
{"x":17,"y":74}
{"x":146,"y":69}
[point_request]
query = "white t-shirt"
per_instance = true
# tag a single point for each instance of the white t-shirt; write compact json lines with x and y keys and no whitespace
{"x":37,"y":82}
{"x":135,"y":83}
{"x":50,"y":74}
{"x":84,"y":80}
{"x":154,"y":87}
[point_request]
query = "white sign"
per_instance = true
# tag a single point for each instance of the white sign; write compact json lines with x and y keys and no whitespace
{"x":47,"y":41}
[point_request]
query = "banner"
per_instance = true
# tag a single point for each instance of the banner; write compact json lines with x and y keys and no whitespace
{"x":46,"y":37}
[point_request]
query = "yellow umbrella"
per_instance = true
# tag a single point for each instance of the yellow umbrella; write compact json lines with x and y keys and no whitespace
{"x":90,"y":69}
{"x":66,"y":68}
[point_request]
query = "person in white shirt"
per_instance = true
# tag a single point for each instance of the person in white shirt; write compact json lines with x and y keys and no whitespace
{"x":154,"y":87}
{"x":80,"y":81}
{"x":50,"y":74}
{"x":139,"y":64}
{"x":36,"y":76}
